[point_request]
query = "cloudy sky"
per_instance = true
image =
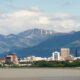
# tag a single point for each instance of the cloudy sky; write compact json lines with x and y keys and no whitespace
{"x":20,"y":15}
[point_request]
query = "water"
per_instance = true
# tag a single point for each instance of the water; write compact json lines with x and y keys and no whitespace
{"x":39,"y":74}
{"x":54,"y":78}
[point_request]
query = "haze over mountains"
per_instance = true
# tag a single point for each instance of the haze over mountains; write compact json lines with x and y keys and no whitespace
{"x":70,"y":40}
{"x":24,"y":39}
{"x":38,"y":42}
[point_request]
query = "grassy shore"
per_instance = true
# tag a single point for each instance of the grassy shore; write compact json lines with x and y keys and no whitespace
{"x":44,"y":64}
{"x":64,"y":68}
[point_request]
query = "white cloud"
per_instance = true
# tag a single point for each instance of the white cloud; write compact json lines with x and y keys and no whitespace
{"x":29,"y":8}
{"x":2,"y":11}
{"x":33,"y":17}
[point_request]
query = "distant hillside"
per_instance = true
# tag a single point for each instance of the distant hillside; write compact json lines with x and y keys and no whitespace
{"x":71,"y":40}
{"x":24,"y":39}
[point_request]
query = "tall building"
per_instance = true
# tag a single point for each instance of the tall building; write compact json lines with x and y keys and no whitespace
{"x":56,"y":56}
{"x":65,"y":52}
{"x":76,"y":51}
{"x":11,"y":58}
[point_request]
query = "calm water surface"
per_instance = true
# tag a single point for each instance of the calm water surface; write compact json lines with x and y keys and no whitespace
{"x":39,"y":74}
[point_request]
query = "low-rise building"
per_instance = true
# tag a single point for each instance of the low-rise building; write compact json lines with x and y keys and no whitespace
{"x":32,"y":58}
{"x":11,"y":58}
{"x":2,"y":61}
{"x":77,"y":58}
{"x":70,"y":58}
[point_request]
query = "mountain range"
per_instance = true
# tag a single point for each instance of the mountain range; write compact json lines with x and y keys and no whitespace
{"x":54,"y":43}
{"x":24,"y":39}
{"x":39,"y":42}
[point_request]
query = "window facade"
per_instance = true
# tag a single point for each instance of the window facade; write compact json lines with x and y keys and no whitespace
{"x":55,"y":56}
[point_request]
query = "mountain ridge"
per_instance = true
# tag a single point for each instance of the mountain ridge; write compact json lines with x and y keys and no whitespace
{"x":52,"y":44}
{"x":24,"y":39}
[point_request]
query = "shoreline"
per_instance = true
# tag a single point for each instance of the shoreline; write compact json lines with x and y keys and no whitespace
{"x":63,"y":68}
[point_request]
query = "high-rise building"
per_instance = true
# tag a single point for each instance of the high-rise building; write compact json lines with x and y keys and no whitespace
{"x":56,"y":56}
{"x":65,"y":52}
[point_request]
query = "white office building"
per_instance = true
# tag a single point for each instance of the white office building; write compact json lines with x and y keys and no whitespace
{"x":56,"y":55}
